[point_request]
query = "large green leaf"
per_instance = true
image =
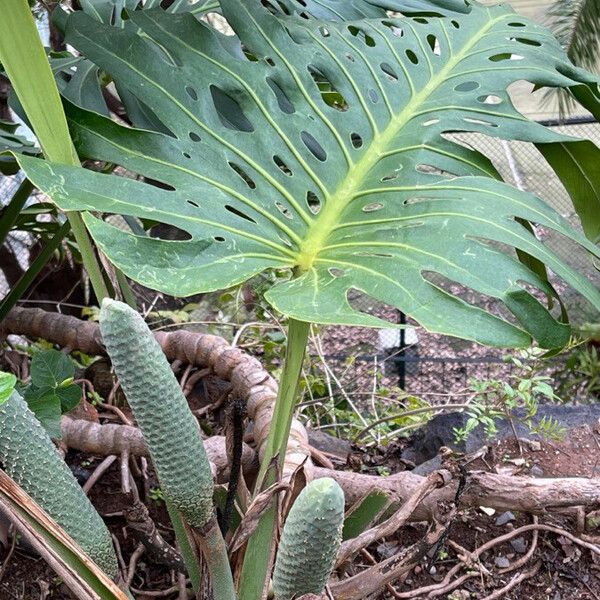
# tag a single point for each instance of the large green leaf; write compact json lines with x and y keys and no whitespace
{"x":355,"y":188}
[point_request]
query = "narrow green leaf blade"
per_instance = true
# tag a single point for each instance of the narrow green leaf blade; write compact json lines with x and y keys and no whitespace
{"x":577,"y":166}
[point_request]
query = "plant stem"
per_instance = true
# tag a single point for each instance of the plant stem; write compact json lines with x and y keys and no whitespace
{"x":33,"y":271}
{"x":185,"y":547}
{"x":260,"y":550}
{"x":87,"y":256}
{"x":12,"y":211}
{"x":214,"y":550}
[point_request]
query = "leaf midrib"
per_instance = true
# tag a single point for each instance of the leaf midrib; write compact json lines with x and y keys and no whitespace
{"x":328,"y":218}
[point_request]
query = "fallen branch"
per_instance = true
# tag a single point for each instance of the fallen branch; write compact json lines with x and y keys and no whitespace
{"x":501,"y":492}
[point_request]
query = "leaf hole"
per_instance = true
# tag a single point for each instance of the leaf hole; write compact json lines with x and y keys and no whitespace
{"x":329,"y":93}
{"x":528,"y":42}
{"x":503,"y":56}
{"x":284,"y":210}
{"x":433,"y":170}
{"x":324,"y":32}
{"x":218,"y":238}
{"x":366,"y":38}
{"x":335,"y":272}
{"x":414,"y":59}
{"x":430,"y":122}
{"x":389,"y":71}
{"x":434,"y":44}
{"x":516,"y":24}
{"x":285,"y":104}
{"x":194,"y":137}
{"x":282,"y":166}
{"x":270,"y":61}
{"x":350,"y":57}
{"x":193,"y":203}
{"x":239,"y":213}
{"x":356,"y":140}
{"x":479,"y":122}
{"x":191,"y":92}
{"x":467,"y":86}
{"x":284,"y":8}
{"x":421,"y":20}
{"x":373,"y":96}
{"x":313,"y":201}
{"x":187,"y":155}
{"x":245,"y":177}
{"x":372,"y":207}
{"x":229,"y":111}
{"x":490,"y":99}
{"x":455,"y":24}
{"x":313,"y":146}
{"x":390,"y":177}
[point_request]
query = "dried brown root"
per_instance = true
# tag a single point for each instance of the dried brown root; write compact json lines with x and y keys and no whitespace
{"x":250,"y":382}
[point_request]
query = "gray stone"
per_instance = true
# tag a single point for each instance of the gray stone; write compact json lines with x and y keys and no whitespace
{"x":519,"y":545}
{"x":504,"y":518}
{"x":327,"y":443}
{"x":536,"y":471}
{"x":502,"y":562}
{"x":428,"y":466}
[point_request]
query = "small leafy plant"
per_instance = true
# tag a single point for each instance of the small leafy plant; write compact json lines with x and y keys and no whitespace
{"x":515,"y":400}
{"x":52,"y":392}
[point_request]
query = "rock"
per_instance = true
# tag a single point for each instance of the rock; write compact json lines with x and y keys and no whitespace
{"x":534,"y":445}
{"x":536,"y":471}
{"x":327,"y":443}
{"x":504,"y":518}
{"x":519,"y":545}
{"x":502,"y":562}
{"x":438,"y":432}
{"x":428,"y":466}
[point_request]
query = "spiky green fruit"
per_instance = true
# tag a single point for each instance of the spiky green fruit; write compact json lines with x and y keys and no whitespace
{"x":310,"y":540}
{"x":161,"y":411}
{"x":31,"y":459}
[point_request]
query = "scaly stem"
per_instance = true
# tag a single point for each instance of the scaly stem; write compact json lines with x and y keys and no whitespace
{"x":260,"y":550}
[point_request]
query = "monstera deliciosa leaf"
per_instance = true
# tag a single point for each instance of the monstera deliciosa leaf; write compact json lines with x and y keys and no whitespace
{"x":325,"y":149}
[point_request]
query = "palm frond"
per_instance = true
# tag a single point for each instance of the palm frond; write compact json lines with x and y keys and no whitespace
{"x":576,"y":25}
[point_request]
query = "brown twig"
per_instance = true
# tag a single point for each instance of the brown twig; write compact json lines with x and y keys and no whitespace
{"x":514,"y":582}
{"x":526,"y":557}
{"x":133,"y":561}
{"x":9,"y":554}
{"x":98,"y":472}
{"x":157,"y":593}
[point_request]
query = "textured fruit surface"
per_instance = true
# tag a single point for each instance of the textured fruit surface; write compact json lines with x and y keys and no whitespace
{"x":310,"y":540}
{"x":161,"y":411}
{"x":30,"y":458}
